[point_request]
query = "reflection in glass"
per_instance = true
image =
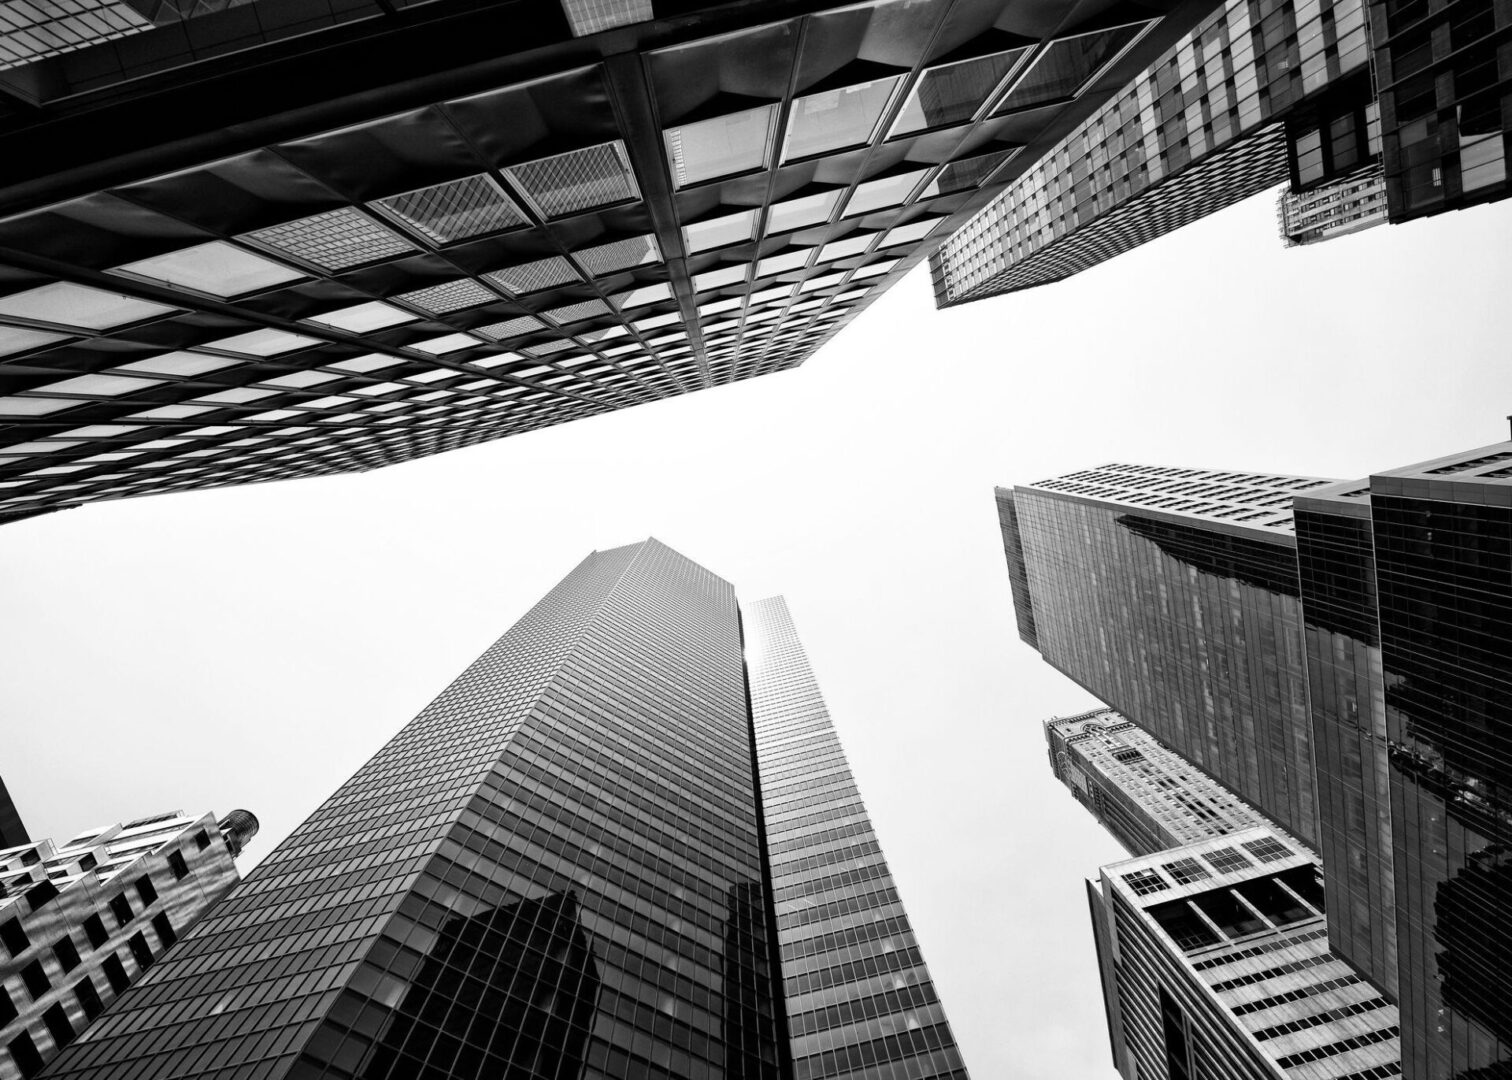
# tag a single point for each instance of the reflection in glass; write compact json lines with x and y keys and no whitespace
{"x":722,"y":146}
{"x":79,"y":305}
{"x":717,"y":232}
{"x":217,"y":268}
{"x":888,"y":191}
{"x":952,"y":93}
{"x":913,"y":231}
{"x":967,"y":173}
{"x":781,"y":264}
{"x":1063,"y":67}
{"x":835,"y":119}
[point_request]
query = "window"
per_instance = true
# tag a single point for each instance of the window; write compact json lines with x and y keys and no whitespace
{"x":362,"y":318}
{"x":99,"y":385}
{"x":951,"y":93}
{"x":455,"y":210}
{"x":16,"y":339}
{"x":40,"y":894}
{"x":722,"y":146}
{"x":13,"y":934}
{"x":1185,"y":871}
{"x":94,"y":929}
{"x":836,"y":119}
{"x":1226,"y":860}
{"x":145,"y":889}
{"x":720,"y":231}
{"x":202,"y":839}
{"x":1064,"y":67}
{"x":800,"y":212}
{"x":164,"y":927}
{"x":24,"y":1052}
{"x":58,"y":1026}
{"x":7,"y":1008}
{"x":1144,"y":882}
{"x":79,"y":305}
{"x":1267,"y":849}
{"x":115,"y":973}
{"x":121,"y":908}
{"x":35,"y":979}
{"x":217,"y":268}
{"x":335,"y":240}
{"x":885,"y":191}
{"x":89,"y":998}
{"x":140,"y":949}
{"x":68,"y":956}
{"x":577,"y":180}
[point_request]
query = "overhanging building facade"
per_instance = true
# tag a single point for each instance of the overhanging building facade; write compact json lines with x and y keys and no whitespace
{"x":578,"y":861}
{"x":250,"y":242}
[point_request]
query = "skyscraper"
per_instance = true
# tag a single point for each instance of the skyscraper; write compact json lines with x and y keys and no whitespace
{"x":1151,"y":586}
{"x":252,"y":241}
{"x":12,"y":828}
{"x":1215,"y":963}
{"x":1171,"y":595}
{"x":1143,"y":793}
{"x":561,"y":867}
{"x":81,"y":921}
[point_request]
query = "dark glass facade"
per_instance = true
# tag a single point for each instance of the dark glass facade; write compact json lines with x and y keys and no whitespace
{"x":860,"y":1001}
{"x":259,"y":244}
{"x":1179,"y":609}
{"x":558,"y":869}
{"x":12,"y":828}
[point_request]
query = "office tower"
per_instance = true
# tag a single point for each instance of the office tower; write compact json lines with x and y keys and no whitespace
{"x":256,"y":241}
{"x":1444,"y":75}
{"x":12,"y":829}
{"x":860,"y":1001}
{"x":1215,"y":963}
{"x":81,"y":922}
{"x":1343,"y":206}
{"x":1143,"y":793}
{"x":558,"y":868}
{"x":1171,"y":594}
{"x":1256,"y":95}
{"x":1406,"y":605}
{"x":1396,"y":609}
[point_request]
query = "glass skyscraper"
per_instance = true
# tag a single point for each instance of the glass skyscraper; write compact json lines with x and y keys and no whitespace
{"x":560,"y":868}
{"x":1194,"y":602}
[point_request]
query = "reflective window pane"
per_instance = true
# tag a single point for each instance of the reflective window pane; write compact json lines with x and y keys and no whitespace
{"x":783,"y":262}
{"x":719,"y":277}
{"x":14,"y":339}
{"x":101,"y":385}
{"x":798,"y":213}
{"x":722,"y":146}
{"x":968,"y":173}
{"x":952,"y":93}
{"x":1064,"y":67}
{"x":217,"y":268}
{"x":846,"y":247}
{"x":835,"y":119}
{"x":335,"y":240}
{"x":180,"y":363}
{"x":913,"y":231}
{"x":445,"y":344}
{"x":717,"y":232}
{"x":360,"y":318}
{"x":455,"y":210}
{"x":263,"y":343}
{"x":79,"y":305}
{"x":33,"y":406}
{"x":888,"y":191}
{"x":648,"y":294}
{"x":533,"y":276}
{"x":578,"y":180}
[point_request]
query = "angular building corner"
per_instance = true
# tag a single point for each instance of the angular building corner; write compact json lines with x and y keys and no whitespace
{"x":569,"y":864}
{"x":239,"y":246}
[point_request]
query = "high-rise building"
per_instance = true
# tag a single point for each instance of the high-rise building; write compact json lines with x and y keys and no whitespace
{"x":81,"y":922}
{"x":1261,"y":92}
{"x":1192,"y":607}
{"x":1171,"y":594}
{"x":860,"y":1001}
{"x":1347,"y":205}
{"x":256,"y":241}
{"x":570,"y":863}
{"x":1215,"y":963}
{"x":1143,"y":793}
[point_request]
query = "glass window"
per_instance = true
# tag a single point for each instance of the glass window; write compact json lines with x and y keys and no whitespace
{"x":361,"y":318}
{"x":79,"y":305}
{"x":886,"y":191}
{"x":577,"y":180}
{"x":722,"y":146}
{"x":834,"y":119}
{"x":717,"y":232}
{"x":217,"y":268}
{"x":873,"y":269}
{"x":798,"y":213}
{"x":846,"y":247}
{"x":952,"y":93}
{"x":33,"y":406}
{"x":263,"y":343}
{"x":455,"y":210}
{"x":14,"y":339}
{"x":179,"y":363}
{"x":910,"y":233}
{"x":235,"y":396}
{"x":172,"y":412}
{"x":719,"y":277}
{"x":784,"y":262}
{"x":821,"y":282}
{"x":370,"y":362}
{"x":968,"y":173}
{"x":101,"y":385}
{"x":1064,"y":67}
{"x":335,"y":240}
{"x":445,"y":344}
{"x":648,"y":294}
{"x":533,"y":276}
{"x":298,"y":379}
{"x":780,"y":292}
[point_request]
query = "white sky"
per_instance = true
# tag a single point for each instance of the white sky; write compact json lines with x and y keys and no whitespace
{"x":252,"y":647}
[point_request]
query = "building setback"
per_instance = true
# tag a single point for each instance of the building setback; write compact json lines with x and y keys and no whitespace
{"x":1215,"y":963}
{"x":81,"y":922}
{"x":1143,"y":793}
{"x":1396,"y":610}
{"x":559,"y":868}
{"x":242,"y":243}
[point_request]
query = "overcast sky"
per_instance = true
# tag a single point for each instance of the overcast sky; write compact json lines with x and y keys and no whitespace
{"x":252,"y":647}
